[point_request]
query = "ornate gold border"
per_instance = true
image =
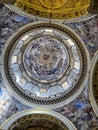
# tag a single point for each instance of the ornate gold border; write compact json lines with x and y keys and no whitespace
{"x":22,"y":13}
{"x":71,"y":9}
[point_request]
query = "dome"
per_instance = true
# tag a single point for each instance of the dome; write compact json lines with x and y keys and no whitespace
{"x":51,"y":9}
{"x":45,"y":65}
{"x":38,"y":120}
{"x":48,"y":65}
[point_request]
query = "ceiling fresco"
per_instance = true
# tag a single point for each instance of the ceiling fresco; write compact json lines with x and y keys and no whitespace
{"x":45,"y":64}
{"x":48,"y":64}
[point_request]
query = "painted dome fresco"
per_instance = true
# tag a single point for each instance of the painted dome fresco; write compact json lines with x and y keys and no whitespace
{"x":49,"y":64}
{"x":45,"y":64}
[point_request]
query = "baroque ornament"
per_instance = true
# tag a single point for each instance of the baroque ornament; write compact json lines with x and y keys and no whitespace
{"x":54,"y":4}
{"x":45,"y":64}
{"x":54,"y":9}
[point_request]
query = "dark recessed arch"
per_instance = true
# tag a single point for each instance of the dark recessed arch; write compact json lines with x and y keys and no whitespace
{"x":94,"y":6}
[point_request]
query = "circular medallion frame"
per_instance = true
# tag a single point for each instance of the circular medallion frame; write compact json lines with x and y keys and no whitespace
{"x":36,"y":117}
{"x":44,"y":94}
{"x":93,"y":80}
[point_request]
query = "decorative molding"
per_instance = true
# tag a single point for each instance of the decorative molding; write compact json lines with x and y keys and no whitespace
{"x":38,"y":117}
{"x":93,"y":89}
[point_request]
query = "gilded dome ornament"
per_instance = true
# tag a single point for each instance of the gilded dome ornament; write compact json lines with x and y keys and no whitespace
{"x":45,"y":65}
{"x":54,"y":9}
{"x":53,"y":4}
